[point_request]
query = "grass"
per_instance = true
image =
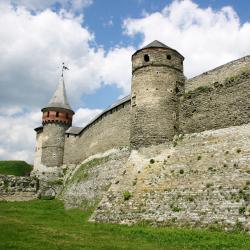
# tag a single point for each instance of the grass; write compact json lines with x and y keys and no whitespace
{"x":46,"y":225}
{"x":17,"y":168}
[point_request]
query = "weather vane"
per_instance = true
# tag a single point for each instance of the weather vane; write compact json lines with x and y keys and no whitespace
{"x":64,"y":68}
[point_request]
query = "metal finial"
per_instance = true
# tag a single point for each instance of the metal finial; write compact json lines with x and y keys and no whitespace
{"x":64,"y":68}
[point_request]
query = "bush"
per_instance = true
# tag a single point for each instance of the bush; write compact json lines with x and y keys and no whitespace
{"x":127,"y":195}
{"x":152,"y":161}
{"x":181,"y":171}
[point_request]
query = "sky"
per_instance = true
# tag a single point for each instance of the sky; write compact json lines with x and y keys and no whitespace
{"x":95,"y":39}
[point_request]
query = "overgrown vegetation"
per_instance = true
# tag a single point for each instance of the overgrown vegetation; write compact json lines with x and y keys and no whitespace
{"x":46,"y":225}
{"x":82,"y":171}
{"x":17,"y":168}
{"x":126,"y":195}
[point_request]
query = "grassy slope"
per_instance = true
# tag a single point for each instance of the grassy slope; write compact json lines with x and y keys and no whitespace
{"x":18,"y":168}
{"x":46,"y":225}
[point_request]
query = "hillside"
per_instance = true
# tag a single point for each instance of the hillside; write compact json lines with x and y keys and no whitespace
{"x":17,"y":168}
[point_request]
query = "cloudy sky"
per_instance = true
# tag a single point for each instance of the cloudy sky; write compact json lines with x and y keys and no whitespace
{"x":96,"y":38}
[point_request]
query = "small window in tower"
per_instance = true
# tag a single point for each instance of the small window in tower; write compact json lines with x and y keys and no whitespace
{"x":48,"y":114}
{"x":57,"y":114}
{"x":67,"y":116}
{"x":169,"y":57}
{"x":133,"y":102}
{"x":146,"y":58}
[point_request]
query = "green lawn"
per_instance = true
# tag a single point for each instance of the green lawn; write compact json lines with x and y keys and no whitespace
{"x":18,"y":168}
{"x":46,"y":225}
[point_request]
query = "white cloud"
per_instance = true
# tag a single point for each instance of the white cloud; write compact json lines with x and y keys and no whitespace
{"x":84,"y":115}
{"x":32,"y":47}
{"x":207,"y":38}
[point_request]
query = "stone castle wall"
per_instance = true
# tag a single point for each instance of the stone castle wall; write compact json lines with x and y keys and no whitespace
{"x":225,"y":103}
{"x":219,"y":74}
{"x":111,"y":130}
{"x":202,"y":180}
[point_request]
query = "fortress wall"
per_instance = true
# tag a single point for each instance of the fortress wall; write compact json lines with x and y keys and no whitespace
{"x":111,"y":130}
{"x":219,"y":74}
{"x":202,"y":181}
{"x":223,"y":105}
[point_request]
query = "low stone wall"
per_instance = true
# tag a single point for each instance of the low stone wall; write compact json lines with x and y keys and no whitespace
{"x":17,"y":188}
{"x":111,"y":130}
{"x":223,"y":104}
{"x":202,"y":180}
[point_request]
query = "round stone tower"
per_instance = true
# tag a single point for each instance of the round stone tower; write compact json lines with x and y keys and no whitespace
{"x":57,"y":118}
{"x":157,"y":79}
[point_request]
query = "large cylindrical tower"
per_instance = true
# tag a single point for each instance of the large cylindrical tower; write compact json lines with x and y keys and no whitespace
{"x":157,"y":78}
{"x":57,"y":118}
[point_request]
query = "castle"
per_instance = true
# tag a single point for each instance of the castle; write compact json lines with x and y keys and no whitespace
{"x":176,"y":151}
{"x":162,"y":104}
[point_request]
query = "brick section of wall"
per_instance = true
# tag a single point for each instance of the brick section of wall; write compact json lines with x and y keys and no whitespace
{"x":225,"y":104}
{"x":153,"y":96}
{"x":107,"y":132}
{"x":15,"y":188}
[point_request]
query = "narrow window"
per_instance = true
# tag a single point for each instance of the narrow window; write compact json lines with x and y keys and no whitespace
{"x":146,"y":58}
{"x":133,"y":101}
{"x":169,"y":57}
{"x":67,"y":116}
{"x":48,"y":114}
{"x":57,"y":114}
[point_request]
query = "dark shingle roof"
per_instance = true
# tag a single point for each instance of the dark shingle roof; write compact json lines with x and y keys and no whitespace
{"x":59,"y":99}
{"x":157,"y":44}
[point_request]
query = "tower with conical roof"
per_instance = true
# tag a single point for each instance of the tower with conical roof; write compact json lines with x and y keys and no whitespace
{"x":157,"y":79}
{"x":56,"y":119}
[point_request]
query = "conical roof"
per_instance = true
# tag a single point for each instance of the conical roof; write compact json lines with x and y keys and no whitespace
{"x":59,"y":99}
{"x":157,"y":44}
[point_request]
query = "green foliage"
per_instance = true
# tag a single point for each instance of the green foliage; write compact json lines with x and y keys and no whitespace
{"x":199,"y":157}
{"x":242,"y":210}
{"x":238,"y":150}
{"x":208,"y":185}
{"x":56,"y":182}
{"x":47,"y":225}
{"x":17,"y":168}
{"x":152,"y":161}
{"x":181,"y":171}
{"x":126,"y":195}
{"x":82,"y":171}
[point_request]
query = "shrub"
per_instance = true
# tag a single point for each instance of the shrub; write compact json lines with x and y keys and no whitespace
{"x":208,"y":185}
{"x":126,"y":195}
{"x":181,"y":171}
{"x":242,"y":210}
{"x":152,"y":161}
{"x":238,"y":150}
{"x":199,"y":157}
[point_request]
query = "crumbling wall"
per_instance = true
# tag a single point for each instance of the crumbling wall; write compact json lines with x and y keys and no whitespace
{"x":17,"y":188}
{"x":202,"y":180}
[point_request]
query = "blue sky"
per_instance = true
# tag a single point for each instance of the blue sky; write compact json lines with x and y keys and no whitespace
{"x":96,"y":38}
